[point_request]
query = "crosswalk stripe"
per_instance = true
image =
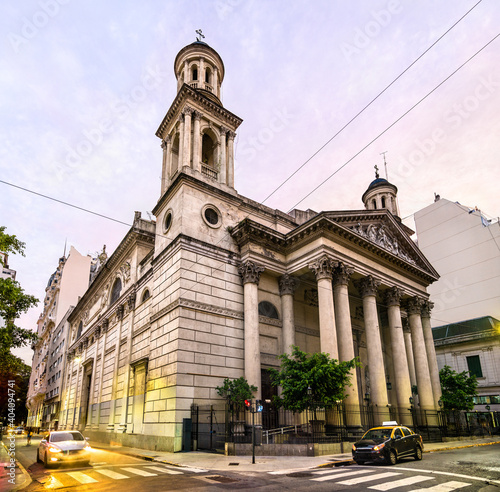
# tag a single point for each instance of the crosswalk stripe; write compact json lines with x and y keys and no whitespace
{"x":111,"y":474}
{"x":444,"y":487}
{"x":136,"y":471}
{"x":401,"y":483}
{"x":82,"y":477}
{"x":53,"y":483}
{"x":165,"y":470}
{"x":369,"y":478}
{"x":334,"y":475}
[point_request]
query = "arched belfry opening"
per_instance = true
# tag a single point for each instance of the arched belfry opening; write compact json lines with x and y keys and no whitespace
{"x":175,"y":155}
{"x":208,"y":151}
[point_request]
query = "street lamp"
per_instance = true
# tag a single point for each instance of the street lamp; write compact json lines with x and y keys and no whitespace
{"x":411,"y":400}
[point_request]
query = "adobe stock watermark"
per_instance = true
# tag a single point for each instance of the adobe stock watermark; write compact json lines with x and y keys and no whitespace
{"x":452,"y":291}
{"x":363,"y":36}
{"x":31,"y":26}
{"x":226,"y":7}
{"x":250,"y":148}
{"x":459,"y":113}
{"x":93,"y":137}
{"x":11,"y":440}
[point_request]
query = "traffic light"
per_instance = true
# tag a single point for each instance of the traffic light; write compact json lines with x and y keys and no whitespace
{"x":259,"y":406}
{"x":248,"y":404}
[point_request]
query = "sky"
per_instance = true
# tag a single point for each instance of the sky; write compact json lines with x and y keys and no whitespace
{"x":85,"y":85}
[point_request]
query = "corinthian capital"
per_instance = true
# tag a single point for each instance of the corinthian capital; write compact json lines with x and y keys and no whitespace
{"x":231,"y":135}
{"x":323,"y":267}
{"x":187,"y":111}
{"x":223,"y":130}
{"x":427,"y":308}
{"x":250,"y":272}
{"x":196,"y":115}
{"x":414,"y":305}
{"x":165,"y":142}
{"x":393,"y":296}
{"x":342,"y":274}
{"x":288,"y":284}
{"x":368,"y":286}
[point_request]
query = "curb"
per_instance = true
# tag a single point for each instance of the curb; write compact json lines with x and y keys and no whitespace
{"x":333,"y":464}
{"x":463,"y":447}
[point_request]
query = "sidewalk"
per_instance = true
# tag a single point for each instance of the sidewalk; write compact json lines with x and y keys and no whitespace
{"x":11,"y":477}
{"x":213,"y":461}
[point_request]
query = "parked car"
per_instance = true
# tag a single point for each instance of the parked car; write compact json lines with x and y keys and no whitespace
{"x":63,"y":446}
{"x":388,"y":443}
{"x":19,"y":430}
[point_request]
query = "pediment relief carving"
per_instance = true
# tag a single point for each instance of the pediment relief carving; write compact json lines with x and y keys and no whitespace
{"x":380,"y":235}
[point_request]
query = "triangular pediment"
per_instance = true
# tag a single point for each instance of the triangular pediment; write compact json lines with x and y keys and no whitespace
{"x":382,"y":229}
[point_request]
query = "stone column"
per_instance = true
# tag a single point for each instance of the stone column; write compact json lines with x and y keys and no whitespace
{"x":378,"y":390}
{"x":186,"y":72}
{"x":166,"y":145}
{"x":230,"y":158}
{"x":323,"y":269}
{"x":424,"y":386}
{"x":201,"y":74}
{"x":409,"y":351}
{"x":104,"y":332}
{"x":186,"y":152}
{"x":196,"y":141}
{"x":431,"y":352}
{"x":288,"y":285}
{"x":180,"y":159}
{"x":126,"y":384}
{"x":222,"y":155}
{"x":400,"y":363}
{"x":341,"y":277}
{"x":250,"y":275}
{"x":216,"y":82}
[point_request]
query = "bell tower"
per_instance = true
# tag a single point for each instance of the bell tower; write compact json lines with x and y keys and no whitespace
{"x":381,"y":194}
{"x":197,"y":132}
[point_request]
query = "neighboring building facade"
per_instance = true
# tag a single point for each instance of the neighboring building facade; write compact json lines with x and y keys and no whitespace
{"x":66,"y":284}
{"x":6,"y":272}
{"x":474,"y":346}
{"x":219,"y":286}
{"x":463,"y":246}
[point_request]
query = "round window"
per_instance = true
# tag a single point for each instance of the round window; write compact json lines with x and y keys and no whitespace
{"x":211,"y":216}
{"x":168,"y":221}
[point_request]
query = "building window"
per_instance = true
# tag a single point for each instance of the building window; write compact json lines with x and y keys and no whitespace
{"x":211,"y":216}
{"x":474,"y":365}
{"x":268,"y":310}
{"x":80,"y":328}
{"x":168,"y":221}
{"x":195,"y":73}
{"x":115,"y":292}
{"x":383,"y":202}
{"x":208,"y":76}
{"x":146,"y":295}
{"x":374,"y":204}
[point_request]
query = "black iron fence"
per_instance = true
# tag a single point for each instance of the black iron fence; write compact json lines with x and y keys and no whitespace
{"x":213,"y":426}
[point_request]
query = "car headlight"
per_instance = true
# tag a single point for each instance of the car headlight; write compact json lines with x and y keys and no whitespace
{"x":53,"y":449}
{"x":379,"y":447}
{"x":353,"y":447}
{"x":87,"y":447}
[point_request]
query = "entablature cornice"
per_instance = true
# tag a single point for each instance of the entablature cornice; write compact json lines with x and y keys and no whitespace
{"x":188,"y":93}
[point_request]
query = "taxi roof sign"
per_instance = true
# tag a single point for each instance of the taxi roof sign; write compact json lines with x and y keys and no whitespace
{"x":390,"y":422}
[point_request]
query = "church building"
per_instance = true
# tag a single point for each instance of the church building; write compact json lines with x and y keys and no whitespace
{"x":219,"y":286}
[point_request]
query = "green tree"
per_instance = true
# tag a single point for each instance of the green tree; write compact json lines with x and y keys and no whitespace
{"x":236,"y":391}
{"x":13,"y":303}
{"x":458,"y":389}
{"x":310,"y":382}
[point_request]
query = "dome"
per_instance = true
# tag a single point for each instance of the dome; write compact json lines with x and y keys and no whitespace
{"x":381,"y":194}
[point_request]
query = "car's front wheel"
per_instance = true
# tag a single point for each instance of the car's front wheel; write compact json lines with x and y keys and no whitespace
{"x":46,"y":464}
{"x":38,"y":460}
{"x":360,"y":462}
{"x":392,"y":459}
{"x":418,"y":453}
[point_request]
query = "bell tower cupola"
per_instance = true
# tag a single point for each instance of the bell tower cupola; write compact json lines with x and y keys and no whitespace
{"x":197,"y":132}
{"x":381,"y":195}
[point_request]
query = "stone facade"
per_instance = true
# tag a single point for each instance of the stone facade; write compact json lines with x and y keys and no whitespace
{"x":219,"y":286}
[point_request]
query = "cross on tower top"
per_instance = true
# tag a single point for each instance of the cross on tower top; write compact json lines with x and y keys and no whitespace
{"x":376,"y":171}
{"x":200,"y":35}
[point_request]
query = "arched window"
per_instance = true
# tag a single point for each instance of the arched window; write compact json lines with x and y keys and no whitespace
{"x":79,"y":331}
{"x":207,"y":150}
{"x":174,"y":165}
{"x":267,"y":309}
{"x":194,"y":73}
{"x":374,"y":204}
{"x":145,"y":295}
{"x":116,"y":290}
{"x":208,"y":75}
{"x":383,"y":202}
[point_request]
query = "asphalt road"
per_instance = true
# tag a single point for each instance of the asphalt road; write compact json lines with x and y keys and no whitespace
{"x":467,"y":470}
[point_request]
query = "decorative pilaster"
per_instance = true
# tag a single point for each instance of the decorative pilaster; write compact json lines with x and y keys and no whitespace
{"x":400,"y":364}
{"x":323,"y":269}
{"x":186,"y":153}
{"x":166,"y":145}
{"x":431,"y":351}
{"x":230,"y":158}
{"x":250,"y":275}
{"x":120,"y":310}
{"x":180,"y":158}
{"x":222,"y":155}
{"x":287,"y":286}
{"x":424,"y":385}
{"x":196,"y":141}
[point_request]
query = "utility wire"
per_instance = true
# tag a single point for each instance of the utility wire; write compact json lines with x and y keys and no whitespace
{"x":396,"y":121}
{"x":371,"y":102}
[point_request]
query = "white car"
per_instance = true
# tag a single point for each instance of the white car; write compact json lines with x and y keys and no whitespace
{"x":63,"y":446}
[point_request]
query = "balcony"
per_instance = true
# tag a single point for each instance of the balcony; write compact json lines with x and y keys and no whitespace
{"x":209,"y":171}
